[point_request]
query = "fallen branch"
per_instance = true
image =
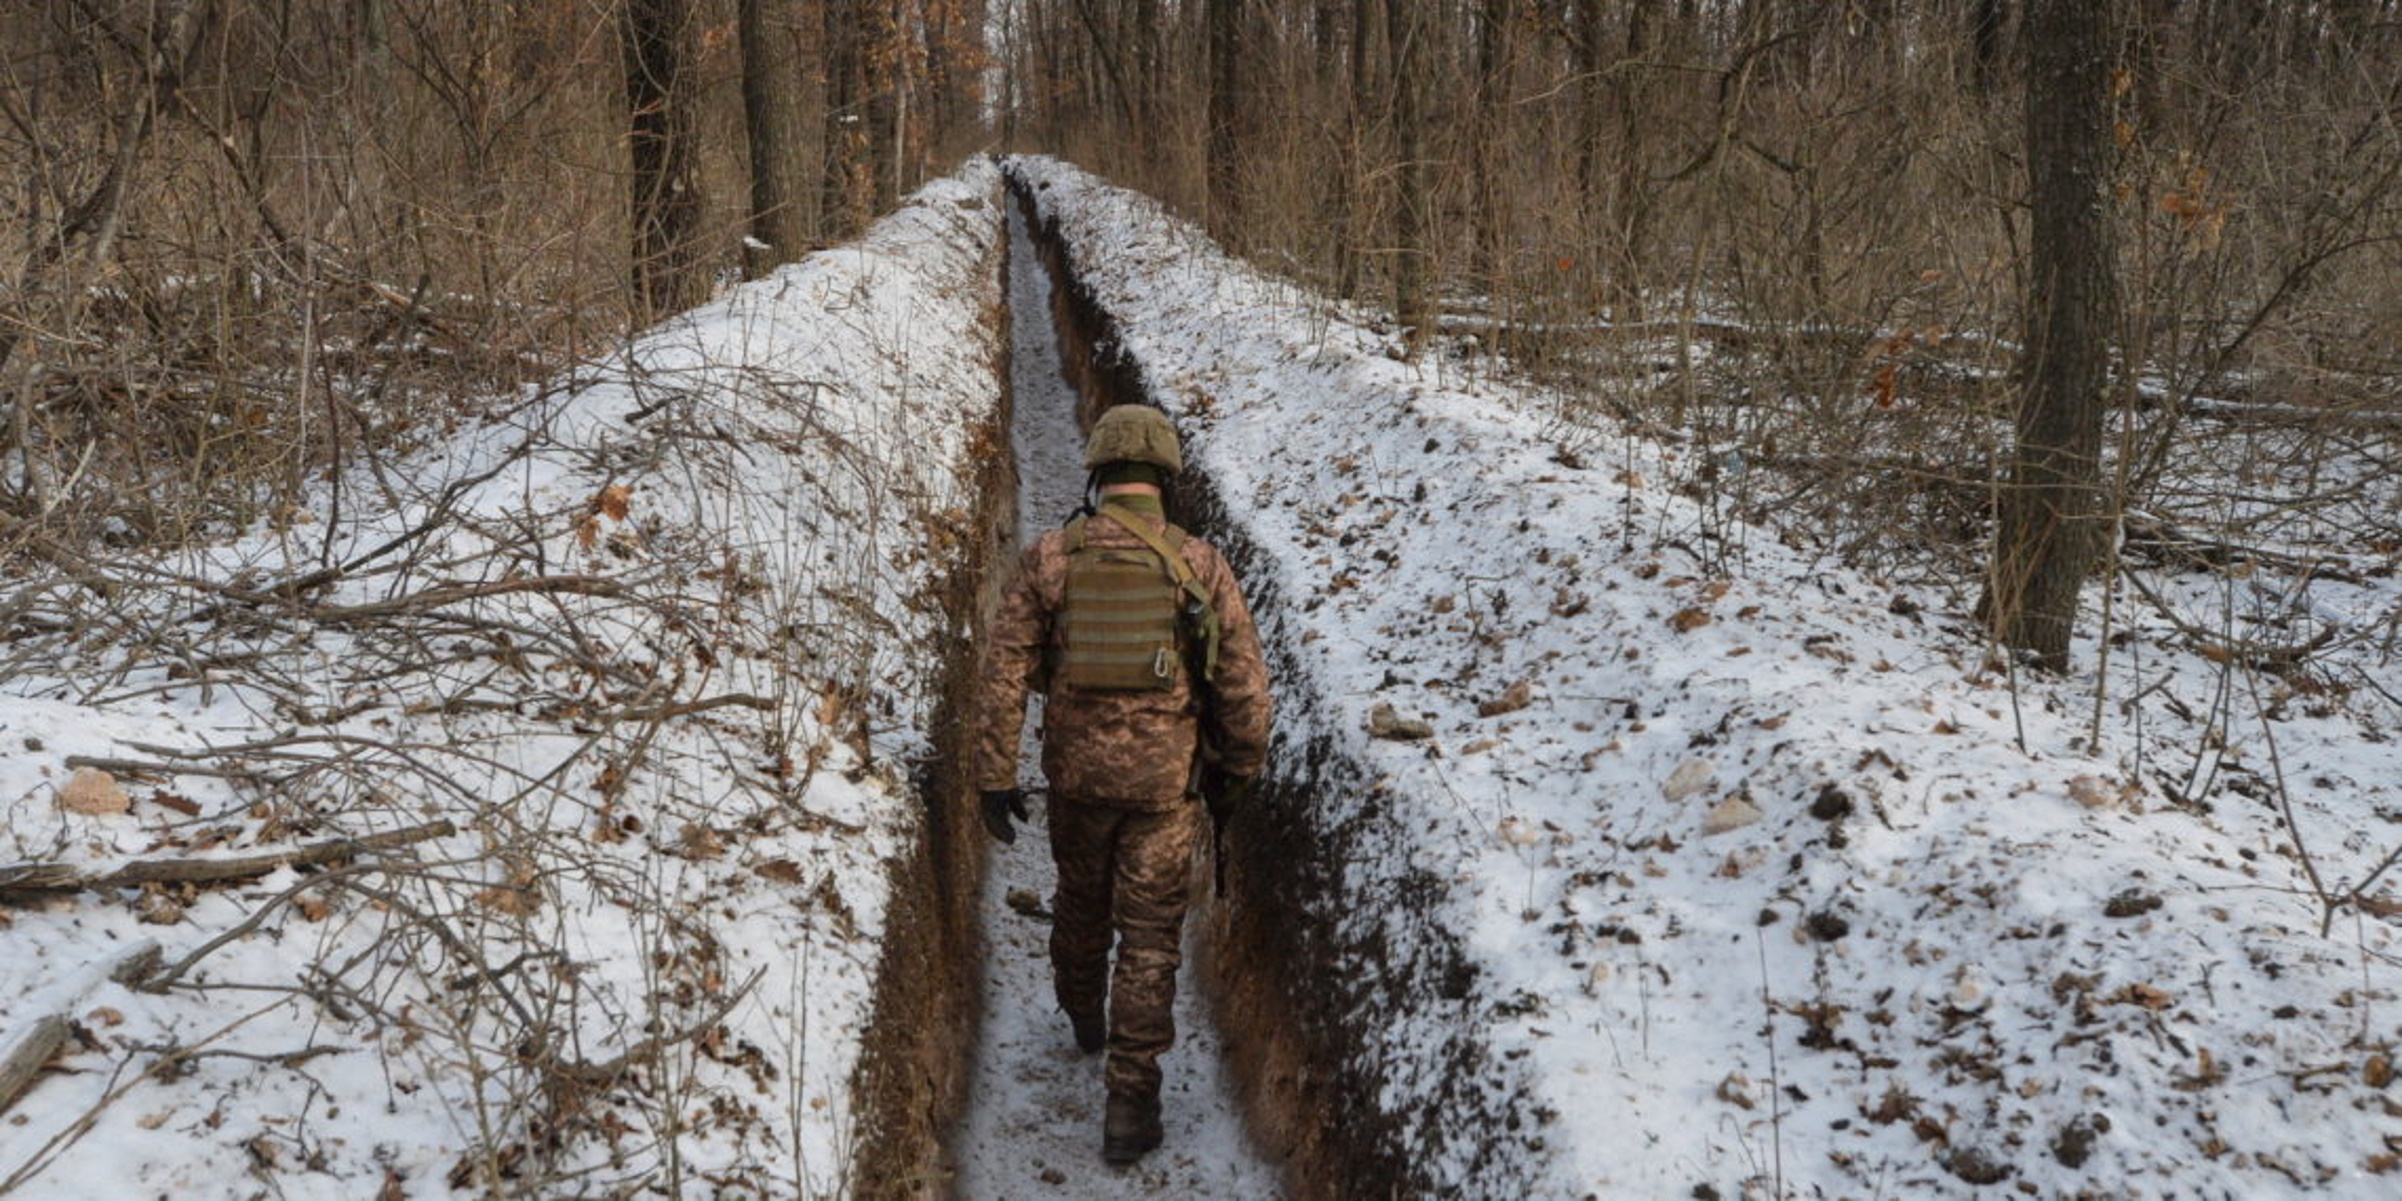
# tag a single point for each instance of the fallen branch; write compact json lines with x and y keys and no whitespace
{"x":435,"y":598}
{"x":26,"y":1051}
{"x":2276,"y":658}
{"x":2145,"y":531}
{"x":54,"y":877}
{"x":687,"y":708}
{"x":144,"y":767}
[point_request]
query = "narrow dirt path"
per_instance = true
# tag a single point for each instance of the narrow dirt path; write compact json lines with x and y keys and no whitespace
{"x":1033,"y":1125}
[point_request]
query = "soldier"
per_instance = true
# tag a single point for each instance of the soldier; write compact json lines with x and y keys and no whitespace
{"x":1156,"y":711}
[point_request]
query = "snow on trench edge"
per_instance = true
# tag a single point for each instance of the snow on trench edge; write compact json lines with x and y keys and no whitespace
{"x":781,"y":492}
{"x":1695,"y":879}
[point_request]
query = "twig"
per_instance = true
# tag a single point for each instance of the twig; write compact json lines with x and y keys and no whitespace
{"x":161,"y":980}
{"x":1776,"y":1085}
{"x":435,"y":598}
{"x":35,"y":877}
{"x":607,"y":1071}
{"x":144,"y":767}
{"x":2271,"y":657}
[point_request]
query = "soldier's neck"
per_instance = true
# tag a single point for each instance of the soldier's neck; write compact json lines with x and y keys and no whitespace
{"x":1138,"y":498}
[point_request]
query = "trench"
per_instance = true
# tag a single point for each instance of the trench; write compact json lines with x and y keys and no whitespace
{"x":1304,"y":979}
{"x":913,"y":1077}
{"x":1032,"y":1120}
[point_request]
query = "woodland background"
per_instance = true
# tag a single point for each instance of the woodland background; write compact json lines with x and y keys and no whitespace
{"x":247,"y":241}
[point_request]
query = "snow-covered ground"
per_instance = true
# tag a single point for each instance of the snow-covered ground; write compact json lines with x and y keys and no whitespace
{"x":1033,"y":1125}
{"x":1762,"y":883}
{"x":658,"y":642}
{"x":1693,"y":882}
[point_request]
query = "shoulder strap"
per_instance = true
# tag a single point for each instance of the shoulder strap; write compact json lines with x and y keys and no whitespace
{"x":1170,"y":549}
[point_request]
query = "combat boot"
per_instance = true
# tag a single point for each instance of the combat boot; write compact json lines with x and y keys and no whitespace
{"x":1129,"y":1128}
{"x":1092,"y":1033}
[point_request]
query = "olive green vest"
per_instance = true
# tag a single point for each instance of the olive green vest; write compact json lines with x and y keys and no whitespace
{"x":1124,"y":608}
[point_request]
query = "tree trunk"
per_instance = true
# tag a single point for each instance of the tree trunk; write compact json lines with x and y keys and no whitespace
{"x":1985,"y":43}
{"x":1150,"y":119}
{"x":1585,"y":66}
{"x":1350,"y":202}
{"x":2049,"y":533}
{"x":955,"y":62}
{"x":1489,"y":144}
{"x":849,"y":183}
{"x":771,"y":119}
{"x":1631,"y":204}
{"x":1225,"y":114}
{"x":1405,"y":33}
{"x":656,"y":38}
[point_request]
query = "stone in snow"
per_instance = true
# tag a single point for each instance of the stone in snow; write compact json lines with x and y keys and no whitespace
{"x":1384,"y":721}
{"x":1687,"y":779}
{"x":1733,"y":813}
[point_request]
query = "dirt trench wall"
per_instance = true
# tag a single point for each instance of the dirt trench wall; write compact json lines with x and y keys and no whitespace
{"x":915,"y":1064}
{"x":1307,"y":978}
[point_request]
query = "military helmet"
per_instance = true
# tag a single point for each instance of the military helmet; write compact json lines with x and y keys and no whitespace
{"x":1133,"y":433}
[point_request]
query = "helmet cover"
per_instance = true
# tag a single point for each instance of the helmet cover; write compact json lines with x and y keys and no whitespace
{"x":1133,"y":433}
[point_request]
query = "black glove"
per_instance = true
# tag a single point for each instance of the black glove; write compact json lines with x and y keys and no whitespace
{"x":998,"y":805}
{"x":1225,"y":793}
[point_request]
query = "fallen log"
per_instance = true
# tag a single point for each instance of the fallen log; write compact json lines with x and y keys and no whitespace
{"x":68,"y":877}
{"x":25,"y":1051}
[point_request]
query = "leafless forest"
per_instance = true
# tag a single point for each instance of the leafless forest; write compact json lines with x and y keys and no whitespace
{"x":248,"y":240}
{"x":1996,"y":298}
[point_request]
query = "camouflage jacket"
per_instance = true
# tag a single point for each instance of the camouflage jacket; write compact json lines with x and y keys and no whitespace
{"x":1133,"y":750}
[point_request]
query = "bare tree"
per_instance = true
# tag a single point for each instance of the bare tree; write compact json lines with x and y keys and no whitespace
{"x":956,"y":58}
{"x":771,"y":110}
{"x":1985,"y":21}
{"x":851,"y":170}
{"x":2049,"y":536}
{"x":1406,"y":34}
{"x":1225,"y":111}
{"x":1349,"y":202}
{"x":656,"y":37}
{"x":1496,"y":55}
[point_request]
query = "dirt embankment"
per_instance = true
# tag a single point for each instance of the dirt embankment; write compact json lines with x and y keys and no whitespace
{"x":1298,"y":1005}
{"x":915,"y":1063}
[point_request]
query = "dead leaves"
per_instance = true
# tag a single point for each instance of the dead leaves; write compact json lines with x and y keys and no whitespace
{"x":93,"y":793}
{"x":176,"y":802}
{"x":517,"y":894}
{"x":2208,"y":1073}
{"x":1517,"y":696}
{"x":1387,"y":722}
{"x":1694,"y":616}
{"x":2143,"y":995}
{"x":615,"y":502}
{"x":782,"y":871}
{"x":2198,"y":215}
{"x":701,"y":841}
{"x":1026,"y":903}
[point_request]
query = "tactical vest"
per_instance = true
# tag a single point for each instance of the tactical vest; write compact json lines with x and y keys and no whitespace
{"x":1127,"y":610}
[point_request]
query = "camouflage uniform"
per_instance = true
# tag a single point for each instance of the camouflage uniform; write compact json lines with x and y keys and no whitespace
{"x":1123,"y":818}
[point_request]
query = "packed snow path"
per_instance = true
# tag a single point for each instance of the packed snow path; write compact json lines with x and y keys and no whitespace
{"x":1033,"y":1126}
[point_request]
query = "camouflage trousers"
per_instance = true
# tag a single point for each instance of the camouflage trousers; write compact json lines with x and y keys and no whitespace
{"x":1127,"y":873}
